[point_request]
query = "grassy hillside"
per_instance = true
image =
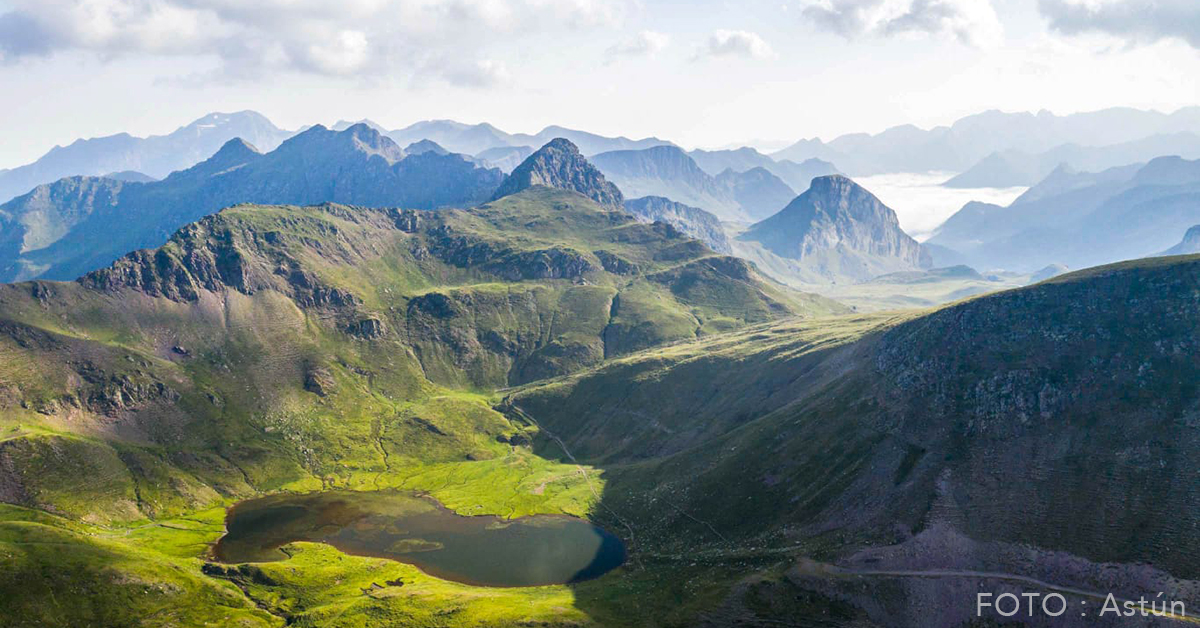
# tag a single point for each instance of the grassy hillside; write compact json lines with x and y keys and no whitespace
{"x":292,"y":349}
{"x":1047,"y":432}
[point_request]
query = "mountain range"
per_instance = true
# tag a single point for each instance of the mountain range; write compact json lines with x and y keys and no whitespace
{"x":960,"y":146}
{"x":669,"y":172}
{"x":473,"y":139}
{"x":1078,"y":219}
{"x":795,"y":175}
{"x":154,"y":157}
{"x":75,"y":225}
{"x":1017,"y":168}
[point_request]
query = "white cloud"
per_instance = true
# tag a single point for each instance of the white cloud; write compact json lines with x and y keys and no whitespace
{"x":486,"y":73}
{"x":971,"y":21}
{"x":1137,"y":21}
{"x":724,"y":43}
{"x":643,"y":44}
{"x":344,"y":38}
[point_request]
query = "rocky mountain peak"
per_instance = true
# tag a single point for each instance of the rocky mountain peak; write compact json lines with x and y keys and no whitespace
{"x":837,"y":216}
{"x":560,"y":164}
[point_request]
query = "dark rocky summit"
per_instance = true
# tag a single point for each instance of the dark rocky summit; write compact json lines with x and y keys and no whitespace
{"x":559,"y":164}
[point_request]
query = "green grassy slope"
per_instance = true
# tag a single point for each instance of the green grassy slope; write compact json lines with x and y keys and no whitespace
{"x":290,"y":349}
{"x":1060,"y":417}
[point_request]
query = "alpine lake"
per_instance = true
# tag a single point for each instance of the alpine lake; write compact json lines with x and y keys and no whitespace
{"x":410,"y":528}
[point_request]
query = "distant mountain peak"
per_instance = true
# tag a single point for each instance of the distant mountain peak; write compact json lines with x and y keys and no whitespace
{"x":559,"y":164}
{"x":342,"y":125}
{"x":421,"y":147}
{"x":237,"y":147}
{"x":838,"y":217}
{"x":236,"y":152}
{"x":218,"y":117}
{"x":357,"y":138}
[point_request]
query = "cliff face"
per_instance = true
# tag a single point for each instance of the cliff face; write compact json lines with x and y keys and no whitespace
{"x":837,"y":215}
{"x":692,"y":221}
{"x":559,"y":164}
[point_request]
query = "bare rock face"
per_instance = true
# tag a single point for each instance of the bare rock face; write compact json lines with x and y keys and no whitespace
{"x":559,"y":164}
{"x":319,"y":381}
{"x":691,"y":221}
{"x":838,"y":214}
{"x":367,"y":328}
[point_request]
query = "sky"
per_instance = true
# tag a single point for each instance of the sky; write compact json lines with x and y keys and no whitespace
{"x":702,"y":73}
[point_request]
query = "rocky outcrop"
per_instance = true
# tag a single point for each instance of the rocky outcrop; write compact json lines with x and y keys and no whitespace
{"x":467,"y":251}
{"x":367,"y":329}
{"x":110,"y":394}
{"x":319,"y":381}
{"x":616,"y":264}
{"x":559,"y":164}
{"x":201,"y":260}
{"x":553,"y":263}
{"x":691,"y":221}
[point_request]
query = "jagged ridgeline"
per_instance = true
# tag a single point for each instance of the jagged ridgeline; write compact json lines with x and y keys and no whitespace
{"x":65,"y":229}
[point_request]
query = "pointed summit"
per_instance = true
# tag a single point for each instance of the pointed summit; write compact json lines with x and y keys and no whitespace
{"x":559,"y":164}
{"x":834,"y":219}
{"x":421,"y":147}
{"x":237,"y":148}
{"x":234,"y":153}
